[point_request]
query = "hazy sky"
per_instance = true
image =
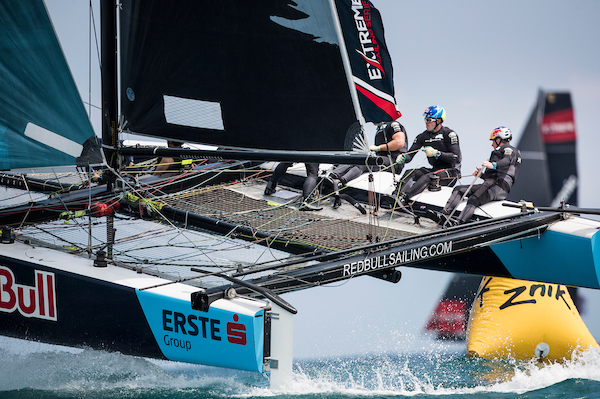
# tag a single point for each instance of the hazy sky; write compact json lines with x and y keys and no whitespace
{"x":484,"y":62}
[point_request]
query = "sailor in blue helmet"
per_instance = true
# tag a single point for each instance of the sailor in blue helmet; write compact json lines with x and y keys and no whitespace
{"x":442,"y":148}
{"x":499,"y":176}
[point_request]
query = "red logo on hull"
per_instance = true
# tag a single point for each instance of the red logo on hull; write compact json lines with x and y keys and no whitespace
{"x":38,"y":302}
{"x":236,"y":332}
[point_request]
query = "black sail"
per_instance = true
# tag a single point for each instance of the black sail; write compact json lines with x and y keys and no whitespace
{"x":559,"y":134}
{"x":548,"y":174}
{"x":371,"y":63}
{"x":263,"y":75}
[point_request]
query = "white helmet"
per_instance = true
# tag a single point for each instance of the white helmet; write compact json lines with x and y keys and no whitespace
{"x":502,"y":132}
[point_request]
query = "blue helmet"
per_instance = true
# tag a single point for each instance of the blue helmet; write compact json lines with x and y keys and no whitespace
{"x":435,"y":112}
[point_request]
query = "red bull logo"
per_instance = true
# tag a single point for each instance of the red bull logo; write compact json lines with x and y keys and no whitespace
{"x":37,"y":302}
{"x":558,"y":127}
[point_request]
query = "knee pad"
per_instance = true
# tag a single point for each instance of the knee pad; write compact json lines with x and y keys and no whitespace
{"x":474,"y":201}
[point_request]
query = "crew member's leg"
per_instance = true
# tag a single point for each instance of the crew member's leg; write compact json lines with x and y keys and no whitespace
{"x":312,"y":175}
{"x":482,"y":194}
{"x":448,"y":177}
{"x":309,"y":186}
{"x":278,"y":173}
{"x":455,"y":198}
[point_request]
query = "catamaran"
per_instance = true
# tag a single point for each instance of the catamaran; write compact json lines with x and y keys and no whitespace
{"x":236,"y":76}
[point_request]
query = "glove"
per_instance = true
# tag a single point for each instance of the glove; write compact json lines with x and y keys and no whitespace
{"x":401,"y":159}
{"x":375,"y":148}
{"x":431,"y":152}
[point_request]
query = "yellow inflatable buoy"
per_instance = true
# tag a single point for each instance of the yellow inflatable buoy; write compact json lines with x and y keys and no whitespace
{"x":525,"y":320}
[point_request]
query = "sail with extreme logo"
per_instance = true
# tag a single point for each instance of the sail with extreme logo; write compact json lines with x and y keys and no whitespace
{"x":371,"y":64}
{"x":266,"y":75}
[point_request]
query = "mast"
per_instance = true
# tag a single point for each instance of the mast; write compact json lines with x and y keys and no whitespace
{"x":110,"y":108}
{"x":346,"y":62}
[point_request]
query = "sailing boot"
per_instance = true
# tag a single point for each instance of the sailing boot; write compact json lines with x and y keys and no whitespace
{"x":403,"y":199}
{"x":307,"y":206}
{"x":360,"y":208}
{"x":271,"y":188}
{"x":434,"y":215}
{"x":337,"y":201}
{"x":337,"y":186}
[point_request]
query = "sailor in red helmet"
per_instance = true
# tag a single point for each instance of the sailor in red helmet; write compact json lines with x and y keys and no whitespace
{"x":498,"y":177}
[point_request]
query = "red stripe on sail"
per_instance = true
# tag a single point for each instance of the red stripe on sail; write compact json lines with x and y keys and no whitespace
{"x":388,"y":107}
{"x":373,"y":63}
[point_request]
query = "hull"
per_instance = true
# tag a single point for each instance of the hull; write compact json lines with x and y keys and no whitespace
{"x":567,"y":253}
{"x":54,"y":297}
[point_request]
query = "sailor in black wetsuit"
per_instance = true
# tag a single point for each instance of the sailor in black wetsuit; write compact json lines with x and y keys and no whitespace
{"x":308,"y":187}
{"x":441,"y":146}
{"x":498,"y":178}
{"x":390,"y":142}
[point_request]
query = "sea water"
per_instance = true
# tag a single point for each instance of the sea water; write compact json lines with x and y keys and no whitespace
{"x":33,"y":370}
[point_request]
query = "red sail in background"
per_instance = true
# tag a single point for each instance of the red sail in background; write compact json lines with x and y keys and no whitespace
{"x":558,"y":126}
{"x":449,"y":319}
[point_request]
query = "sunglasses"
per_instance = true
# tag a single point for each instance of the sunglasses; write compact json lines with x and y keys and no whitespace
{"x":429,"y":120}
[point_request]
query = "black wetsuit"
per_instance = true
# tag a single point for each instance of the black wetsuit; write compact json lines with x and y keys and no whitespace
{"x":383,"y":136}
{"x":385,"y":131}
{"x":310,"y":183}
{"x":446,"y":165}
{"x":496,"y":183}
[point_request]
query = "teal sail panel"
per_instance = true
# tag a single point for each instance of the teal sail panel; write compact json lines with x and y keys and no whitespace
{"x":42,"y":118}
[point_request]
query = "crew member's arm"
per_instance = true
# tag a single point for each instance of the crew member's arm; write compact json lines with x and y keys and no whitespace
{"x":163,"y":165}
{"x":416,"y":145}
{"x":451,"y":156}
{"x":395,"y":144}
